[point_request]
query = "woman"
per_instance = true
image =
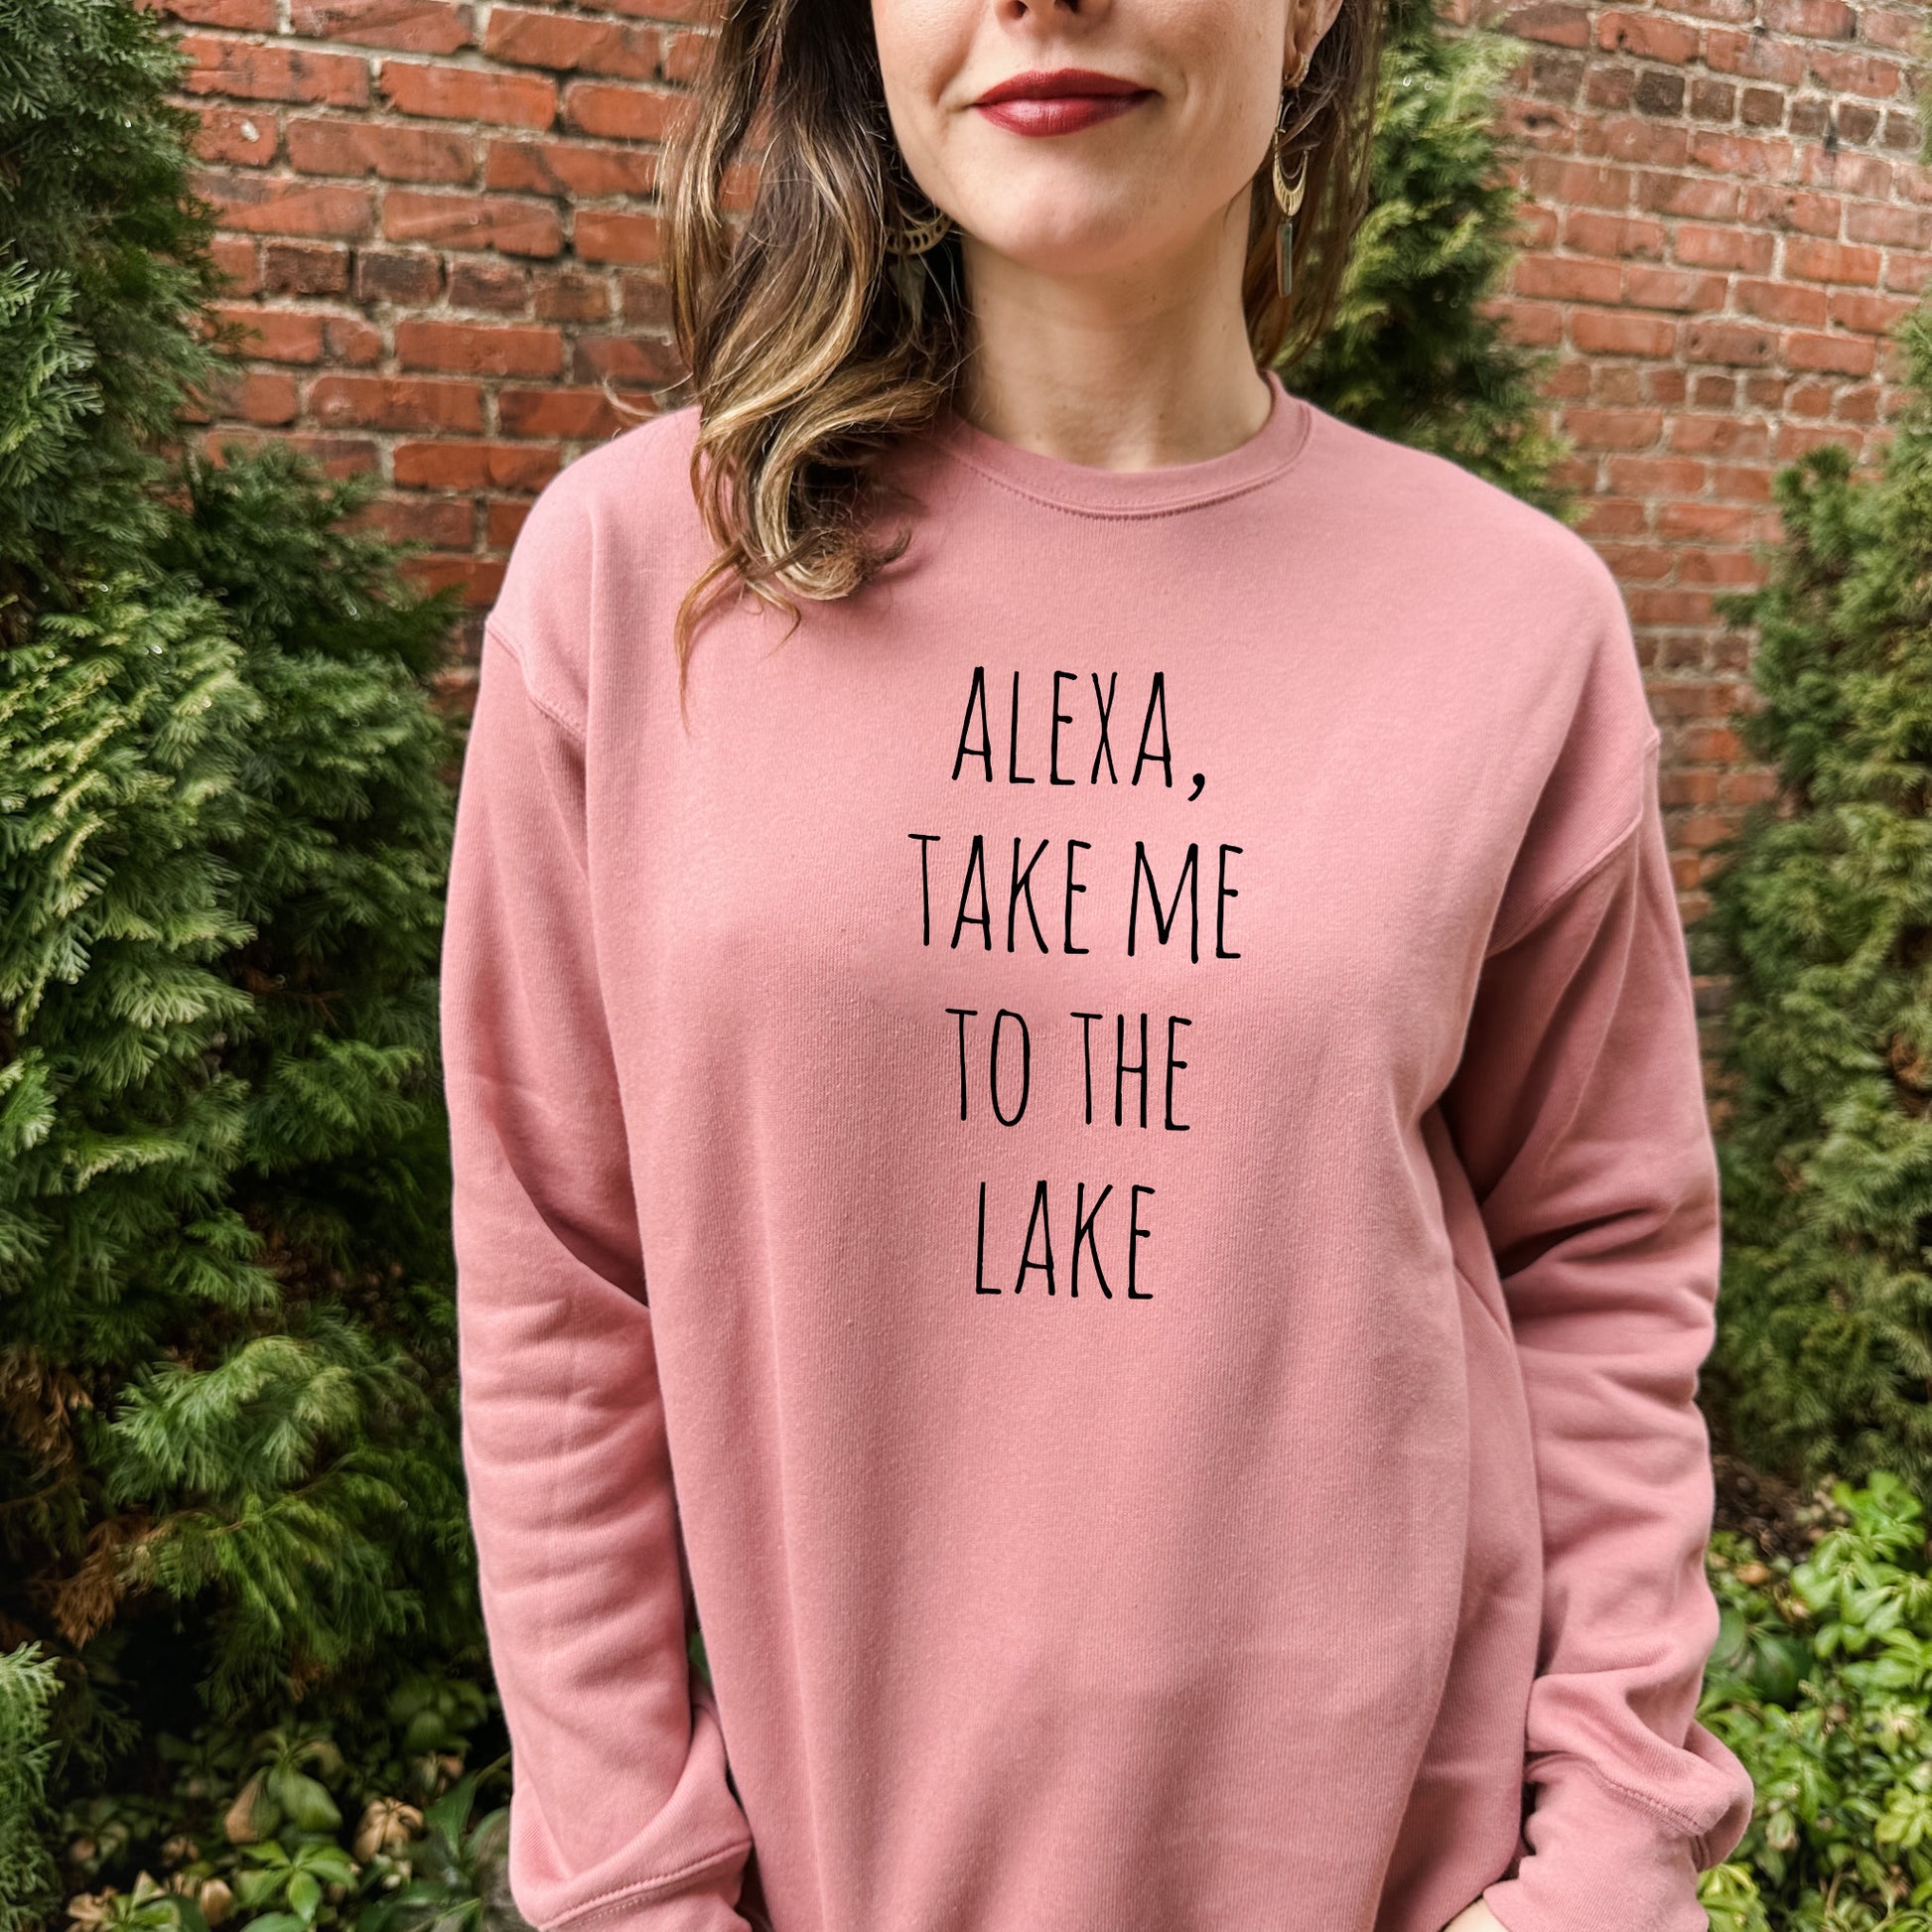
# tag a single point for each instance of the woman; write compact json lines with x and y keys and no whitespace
{"x":1088,"y":1144}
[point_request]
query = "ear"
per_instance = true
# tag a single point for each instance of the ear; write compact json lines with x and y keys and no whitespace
{"x":1309,"y":21}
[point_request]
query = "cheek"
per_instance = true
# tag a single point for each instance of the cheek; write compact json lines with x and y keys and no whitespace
{"x":922,"y":46}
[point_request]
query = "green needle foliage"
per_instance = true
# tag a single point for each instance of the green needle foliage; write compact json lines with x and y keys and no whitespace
{"x":28,"y":1686}
{"x":1822,"y":919}
{"x":229,"y":1479}
{"x":1417,"y":354}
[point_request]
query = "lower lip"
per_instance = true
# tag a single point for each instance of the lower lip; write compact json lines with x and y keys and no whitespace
{"x":1062,"y":114}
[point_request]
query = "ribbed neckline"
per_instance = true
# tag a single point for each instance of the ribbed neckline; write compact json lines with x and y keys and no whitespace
{"x":1158,"y":491}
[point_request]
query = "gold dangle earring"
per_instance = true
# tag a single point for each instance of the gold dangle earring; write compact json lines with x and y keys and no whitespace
{"x":1287,"y":197}
{"x":916,"y":237}
{"x":906,"y":244}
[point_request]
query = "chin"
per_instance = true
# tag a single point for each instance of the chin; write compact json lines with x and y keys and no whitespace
{"x":1060,"y":247}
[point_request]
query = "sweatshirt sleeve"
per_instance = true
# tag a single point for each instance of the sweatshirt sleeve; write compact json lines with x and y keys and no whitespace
{"x":621,"y":1814}
{"x":1578,"y":1112}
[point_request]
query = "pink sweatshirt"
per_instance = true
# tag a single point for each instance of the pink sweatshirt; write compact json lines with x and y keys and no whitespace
{"x":1102,"y":1170}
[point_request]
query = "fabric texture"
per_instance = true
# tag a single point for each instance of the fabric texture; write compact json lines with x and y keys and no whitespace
{"x":1096,"y":1159}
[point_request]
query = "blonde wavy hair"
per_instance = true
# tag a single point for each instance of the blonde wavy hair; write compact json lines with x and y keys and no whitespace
{"x":808,"y":354}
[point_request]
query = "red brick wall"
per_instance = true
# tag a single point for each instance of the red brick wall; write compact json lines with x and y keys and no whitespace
{"x":438,"y":218}
{"x":1728,"y":218}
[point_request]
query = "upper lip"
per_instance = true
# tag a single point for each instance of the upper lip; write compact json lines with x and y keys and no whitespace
{"x":1039,"y":83}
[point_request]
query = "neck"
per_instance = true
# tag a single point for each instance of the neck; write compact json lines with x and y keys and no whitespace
{"x":1130,"y":368}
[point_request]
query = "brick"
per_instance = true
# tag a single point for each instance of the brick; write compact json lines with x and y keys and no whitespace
{"x":474,"y":350}
{"x":1691,"y":433}
{"x":305,"y":269}
{"x":573,"y":295}
{"x":1723,"y":570}
{"x":468,"y":95}
{"x":1737,"y":154}
{"x":1900,"y":29}
{"x":234,"y":135}
{"x":1753,"y":56}
{"x":617,"y":112}
{"x":1600,"y":332}
{"x":1794,"y":208}
{"x":1586,"y":231}
{"x":409,"y":26}
{"x":537,"y":38}
{"x":1536,"y":325}
{"x":631,"y":362}
{"x":1648,"y":144}
{"x":1812,"y":20}
{"x":1848,"y":174}
{"x":265,"y":397}
{"x":385,"y":275}
{"x":237,"y":263}
{"x":1577,"y":184}
{"x":335,"y":147}
{"x":277,"y":334}
{"x":253,"y":205}
{"x":1830,"y":261}
{"x":477,"y":578}
{"x":1614,"y":429}
{"x":1908,"y":274}
{"x":1705,"y":522}
{"x":339,"y":456}
{"x":1563,"y":278}
{"x":303,"y":336}
{"x":607,"y":235}
{"x":1552,"y":75}
{"x":1906,"y":132}
{"x":1688,"y":194}
{"x":396,"y":403}
{"x":1869,"y":315}
{"x":246,"y":71}
{"x":1614,"y":517}
{"x":575,"y":415}
{"x":1733,"y":343}
{"x":1839,"y":71}
{"x":442,"y":521}
{"x":1657,"y":92}
{"x":1536,"y":124}
{"x":472,"y":221}
{"x":524,"y":467}
{"x":1639,"y":563}
{"x":568,"y":169}
{"x":1669,"y":386}
{"x":1551,"y":21}
{"x":1648,"y":36}
{"x":1747,"y":250}
{"x":348,"y":341}
{"x":239,"y":16}
{"x":1713,"y":101}
{"x":502,"y":521}
{"x":1645,"y":287}
{"x":481,"y":282}
{"x":1787,"y":302}
{"x":1656,"y":476}
{"x":1847,"y":354}
{"x":1811,"y":119}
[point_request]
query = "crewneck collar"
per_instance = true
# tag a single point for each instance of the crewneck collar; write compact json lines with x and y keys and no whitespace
{"x":1157,"y":491}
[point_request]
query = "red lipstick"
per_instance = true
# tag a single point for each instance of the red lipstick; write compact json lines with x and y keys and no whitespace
{"x":1060,"y":101}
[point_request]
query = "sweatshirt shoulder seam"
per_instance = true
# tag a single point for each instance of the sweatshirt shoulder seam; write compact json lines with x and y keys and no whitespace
{"x":1586,"y":869}
{"x":519,"y":657}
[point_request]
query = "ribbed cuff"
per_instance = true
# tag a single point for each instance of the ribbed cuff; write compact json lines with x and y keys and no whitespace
{"x":1597,"y":1863}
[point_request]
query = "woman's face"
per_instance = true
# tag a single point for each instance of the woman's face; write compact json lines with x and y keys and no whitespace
{"x":1074,"y":190}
